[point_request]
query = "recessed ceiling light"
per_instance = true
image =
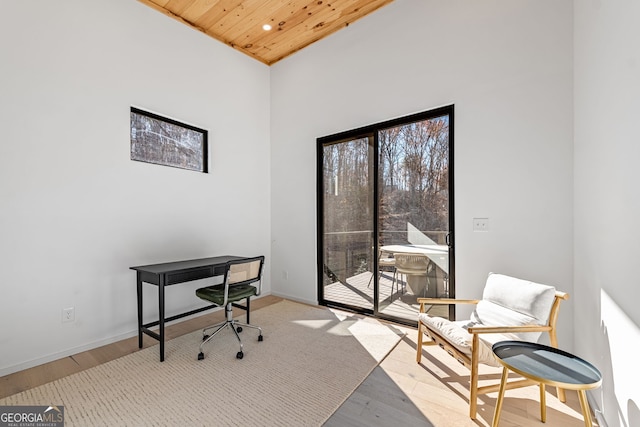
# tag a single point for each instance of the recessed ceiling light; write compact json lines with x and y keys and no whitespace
{"x":266,"y":27}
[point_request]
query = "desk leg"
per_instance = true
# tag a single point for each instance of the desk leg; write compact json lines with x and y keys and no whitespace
{"x":503,"y":386}
{"x":161,"y":315}
{"x":139,"y":292}
{"x":584,"y":404}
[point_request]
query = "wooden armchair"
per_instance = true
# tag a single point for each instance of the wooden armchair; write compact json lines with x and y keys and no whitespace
{"x":510,"y":309}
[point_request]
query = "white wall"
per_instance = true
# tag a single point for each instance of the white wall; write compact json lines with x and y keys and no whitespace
{"x":75,"y":211}
{"x":607,"y":201}
{"x":506,"y":66}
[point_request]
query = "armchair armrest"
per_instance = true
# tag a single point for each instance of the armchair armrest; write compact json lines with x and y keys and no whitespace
{"x":443,"y":301}
{"x":434,"y":301}
{"x":507,"y":329}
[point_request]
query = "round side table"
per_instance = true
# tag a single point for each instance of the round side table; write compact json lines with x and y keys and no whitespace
{"x":546,"y":366}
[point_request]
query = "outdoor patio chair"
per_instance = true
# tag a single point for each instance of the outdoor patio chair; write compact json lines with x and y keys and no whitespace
{"x":385,"y":261}
{"x":415,"y":265}
{"x":510,"y":309}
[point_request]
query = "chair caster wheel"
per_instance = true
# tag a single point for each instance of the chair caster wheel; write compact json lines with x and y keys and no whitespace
{"x":204,"y":337}
{"x":239,"y":329}
{"x":240,"y":355}
{"x":260,"y":338}
{"x":201,"y":356}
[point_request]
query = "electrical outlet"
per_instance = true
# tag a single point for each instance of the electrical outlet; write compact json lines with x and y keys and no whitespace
{"x":68,"y":315}
{"x":285,"y":275}
{"x":480,"y":224}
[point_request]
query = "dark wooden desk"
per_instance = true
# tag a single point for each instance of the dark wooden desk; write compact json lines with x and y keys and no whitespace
{"x":172,"y":273}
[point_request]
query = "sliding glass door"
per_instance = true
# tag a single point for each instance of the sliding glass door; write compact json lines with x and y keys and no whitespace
{"x":347,"y":221}
{"x":385,"y":235}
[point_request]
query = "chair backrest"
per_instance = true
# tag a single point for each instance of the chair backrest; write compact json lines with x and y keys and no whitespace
{"x":385,"y":254}
{"x":385,"y":259}
{"x":510,"y":301}
{"x":411,"y":263}
{"x":244,"y":271}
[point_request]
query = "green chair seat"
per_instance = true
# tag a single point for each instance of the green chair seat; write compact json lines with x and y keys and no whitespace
{"x":215,"y":293}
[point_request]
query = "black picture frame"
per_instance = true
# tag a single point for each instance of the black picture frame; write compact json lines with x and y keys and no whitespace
{"x":168,"y":142}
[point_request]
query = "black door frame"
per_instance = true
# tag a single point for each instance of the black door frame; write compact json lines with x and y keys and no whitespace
{"x":371,"y":131}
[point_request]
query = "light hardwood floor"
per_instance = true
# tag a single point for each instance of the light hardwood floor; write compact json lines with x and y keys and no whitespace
{"x":399,"y":392}
{"x":33,"y":377}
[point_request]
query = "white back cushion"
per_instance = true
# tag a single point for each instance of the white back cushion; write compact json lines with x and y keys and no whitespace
{"x":510,"y":301}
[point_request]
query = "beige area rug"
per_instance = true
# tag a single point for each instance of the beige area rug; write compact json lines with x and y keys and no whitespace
{"x":309,"y":363}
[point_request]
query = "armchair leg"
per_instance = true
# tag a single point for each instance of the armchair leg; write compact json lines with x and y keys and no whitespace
{"x":553,"y":338}
{"x":419,"y":346}
{"x":473,"y":398}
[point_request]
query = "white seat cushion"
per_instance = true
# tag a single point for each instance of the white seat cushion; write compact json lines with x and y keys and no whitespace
{"x":456,"y":334}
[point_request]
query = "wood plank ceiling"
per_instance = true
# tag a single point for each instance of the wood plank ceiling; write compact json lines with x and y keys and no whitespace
{"x":295,"y":24}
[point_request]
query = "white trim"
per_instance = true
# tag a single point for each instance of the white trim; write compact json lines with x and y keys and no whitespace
{"x":75,"y":350}
{"x":595,"y":409}
{"x":66,"y":353}
{"x":294,"y":298}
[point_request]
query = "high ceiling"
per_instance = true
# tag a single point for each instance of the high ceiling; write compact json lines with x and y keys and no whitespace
{"x":295,"y":24}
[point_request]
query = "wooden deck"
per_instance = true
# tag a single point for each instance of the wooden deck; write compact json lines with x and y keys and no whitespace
{"x":398,"y":302}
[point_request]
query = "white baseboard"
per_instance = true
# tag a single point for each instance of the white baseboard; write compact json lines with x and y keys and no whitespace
{"x":85,"y":347}
{"x":99,"y":343}
{"x":289,"y":297}
{"x":597,"y":412}
{"x":65,"y":353}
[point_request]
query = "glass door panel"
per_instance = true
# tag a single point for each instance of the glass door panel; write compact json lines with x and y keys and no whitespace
{"x":347,"y":217}
{"x":413,"y":215}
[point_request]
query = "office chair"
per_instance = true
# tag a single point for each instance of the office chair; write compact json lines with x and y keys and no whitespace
{"x":242,"y":279}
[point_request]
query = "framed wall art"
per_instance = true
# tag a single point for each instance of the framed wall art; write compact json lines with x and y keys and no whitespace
{"x":164,"y":141}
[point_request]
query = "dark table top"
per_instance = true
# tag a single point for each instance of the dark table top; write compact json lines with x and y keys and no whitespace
{"x":548,"y":365}
{"x":185,"y":265}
